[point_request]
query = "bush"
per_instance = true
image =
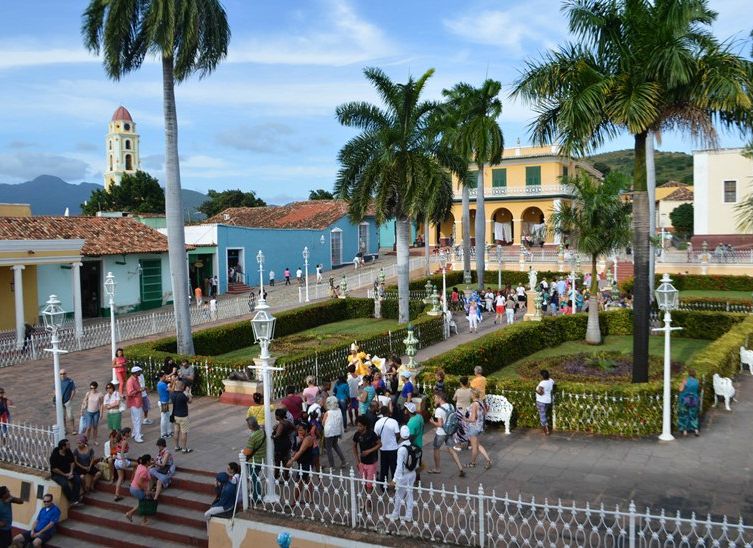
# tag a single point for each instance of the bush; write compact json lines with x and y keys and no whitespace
{"x":701,"y":282}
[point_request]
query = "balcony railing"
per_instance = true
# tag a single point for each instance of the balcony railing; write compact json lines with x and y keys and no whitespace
{"x":517,"y":191}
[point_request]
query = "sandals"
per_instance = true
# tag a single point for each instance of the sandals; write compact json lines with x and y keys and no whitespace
{"x":432,"y":471}
{"x":488,"y":465}
{"x":118,"y":499}
{"x":471,"y":465}
{"x":187,"y":450}
{"x":129,"y":517}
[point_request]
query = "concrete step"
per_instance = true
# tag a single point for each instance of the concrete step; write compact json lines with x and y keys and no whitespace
{"x":190,"y":480}
{"x":179,"y":514}
{"x":172,"y":496}
{"x":62,"y":541}
{"x":78,"y":534}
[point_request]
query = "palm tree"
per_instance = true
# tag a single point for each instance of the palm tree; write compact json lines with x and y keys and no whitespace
{"x":596,"y":222}
{"x":637,"y":66}
{"x":190,"y":36}
{"x":477,"y":137}
{"x":395,"y":164}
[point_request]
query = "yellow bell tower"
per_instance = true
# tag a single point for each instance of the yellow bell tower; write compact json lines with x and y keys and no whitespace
{"x":122,"y":147}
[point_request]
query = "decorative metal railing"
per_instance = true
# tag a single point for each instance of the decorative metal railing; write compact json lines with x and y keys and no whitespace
{"x":26,"y":445}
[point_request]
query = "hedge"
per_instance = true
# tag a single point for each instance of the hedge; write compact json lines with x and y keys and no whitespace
{"x":455,"y":278}
{"x":701,"y":282}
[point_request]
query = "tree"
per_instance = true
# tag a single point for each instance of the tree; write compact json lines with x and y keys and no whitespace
{"x":596,"y":222}
{"x":395,"y":163}
{"x":220,"y":201}
{"x":637,"y":66}
{"x":321,"y":194}
{"x":189,"y":37}
{"x":137,"y":193}
{"x":478,"y":138}
{"x":682,"y":220}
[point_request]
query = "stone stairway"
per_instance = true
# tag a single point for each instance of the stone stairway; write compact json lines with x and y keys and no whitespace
{"x":234,"y":288}
{"x":179,"y":520}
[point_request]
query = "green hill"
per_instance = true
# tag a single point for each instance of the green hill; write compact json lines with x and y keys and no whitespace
{"x":670,"y":166}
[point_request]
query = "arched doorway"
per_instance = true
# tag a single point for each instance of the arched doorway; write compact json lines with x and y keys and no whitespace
{"x":533,"y":227}
{"x":445,"y":231}
{"x":503,"y":226}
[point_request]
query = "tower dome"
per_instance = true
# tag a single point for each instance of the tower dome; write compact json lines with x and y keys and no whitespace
{"x":121,"y":114}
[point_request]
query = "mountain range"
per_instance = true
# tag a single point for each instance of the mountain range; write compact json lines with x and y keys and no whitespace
{"x":50,"y":195}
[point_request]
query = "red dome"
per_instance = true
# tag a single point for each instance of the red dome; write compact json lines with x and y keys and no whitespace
{"x":122,"y":114}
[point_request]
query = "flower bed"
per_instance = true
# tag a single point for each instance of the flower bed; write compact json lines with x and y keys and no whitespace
{"x":604,"y":367}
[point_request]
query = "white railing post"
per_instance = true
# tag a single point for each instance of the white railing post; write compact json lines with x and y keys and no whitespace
{"x":206,"y":376}
{"x":244,"y":479}
{"x":481,"y":517}
{"x":631,"y":525}
{"x":353,"y":500}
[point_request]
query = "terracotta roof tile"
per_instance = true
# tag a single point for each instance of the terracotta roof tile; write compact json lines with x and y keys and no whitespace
{"x":682,"y":194}
{"x":121,"y":114}
{"x":673,"y":184}
{"x":102,"y":235}
{"x":311,"y":214}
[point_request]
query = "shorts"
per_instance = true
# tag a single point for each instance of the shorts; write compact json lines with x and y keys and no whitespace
{"x":137,"y":493}
{"x":68,"y":407}
{"x":113,"y":421}
{"x":184,"y":423}
{"x":45,"y":537}
{"x":472,"y":431}
{"x":500,"y":309}
{"x":122,"y":464}
{"x":368,"y":472}
{"x":92,"y":418}
{"x":354,"y":403}
{"x":146,"y":404}
{"x":440,"y":440}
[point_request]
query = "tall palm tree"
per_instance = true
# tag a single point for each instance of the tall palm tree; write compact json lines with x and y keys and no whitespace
{"x":395,"y":164}
{"x":478,"y":137}
{"x":596,"y":222}
{"x":190,"y":37}
{"x":637,"y":66}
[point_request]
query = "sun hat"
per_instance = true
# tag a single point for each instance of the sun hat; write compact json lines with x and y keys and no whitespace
{"x":136,"y":369}
{"x":404,"y":432}
{"x":406,"y":373}
{"x":410,"y":406}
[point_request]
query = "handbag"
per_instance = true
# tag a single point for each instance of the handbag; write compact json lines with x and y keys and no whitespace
{"x":105,"y":470}
{"x":172,"y":416}
{"x":690,"y":400}
{"x":147,"y":507}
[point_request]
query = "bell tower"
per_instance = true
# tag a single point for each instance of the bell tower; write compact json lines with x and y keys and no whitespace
{"x":121,"y":147}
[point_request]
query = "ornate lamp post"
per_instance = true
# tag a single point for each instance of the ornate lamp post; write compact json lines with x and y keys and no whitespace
{"x":381,"y":276}
{"x":499,"y":267}
{"x":410,"y":342}
{"x":260,"y":260}
{"x":306,"y":266}
{"x":668,"y":298}
{"x":110,"y":285}
{"x":53,"y":316}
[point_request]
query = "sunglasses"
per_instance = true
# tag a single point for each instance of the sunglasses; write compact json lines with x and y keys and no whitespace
{"x":47,"y":501}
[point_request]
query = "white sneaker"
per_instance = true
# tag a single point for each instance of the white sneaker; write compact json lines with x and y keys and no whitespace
{"x":148,"y":421}
{"x":138,"y":440}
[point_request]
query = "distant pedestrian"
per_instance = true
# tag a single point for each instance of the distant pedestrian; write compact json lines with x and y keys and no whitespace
{"x":43,"y":527}
{"x":215,"y":283}
{"x":318,"y":274}
{"x":479,"y":381}
{"x":333,"y":431}
{"x":293,"y":403}
{"x":366,"y":446}
{"x":146,"y":402}
{"x":473,"y":314}
{"x":475,"y":426}
{"x":111,"y":407}
{"x":180,"y":413}
{"x":353,"y":382}
{"x":163,"y":393}
{"x":134,"y":402}
{"x":282,"y":438}
{"x":416,"y":427}
{"x":213,"y":308}
{"x":140,"y":486}
{"x":120,"y":364}
{"x":271,"y":278}
{"x":544,"y":400}
{"x":405,"y":476}
{"x":689,"y":401}
{"x":5,"y":405}
{"x":287,"y":276}
{"x":198,"y":295}
{"x":68,"y":390}
{"x":6,"y":515}
{"x":509,"y":310}
{"x":299,"y":276}
{"x":342,"y":394}
{"x":445,"y":421}
{"x":388,"y":431}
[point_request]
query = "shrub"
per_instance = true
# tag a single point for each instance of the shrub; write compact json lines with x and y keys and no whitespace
{"x":701,"y":282}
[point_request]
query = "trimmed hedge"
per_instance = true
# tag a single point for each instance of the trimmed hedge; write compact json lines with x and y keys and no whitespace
{"x":701,"y":282}
{"x":455,"y":278}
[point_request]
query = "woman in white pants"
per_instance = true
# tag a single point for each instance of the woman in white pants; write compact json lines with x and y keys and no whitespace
{"x":473,"y":316}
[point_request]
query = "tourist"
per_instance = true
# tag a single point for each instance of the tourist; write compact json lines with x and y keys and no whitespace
{"x":215,"y":283}
{"x":271,"y":278}
{"x":416,"y":426}
{"x":286,"y":274}
{"x":6,"y":515}
{"x":62,"y":472}
{"x":213,"y":308}
{"x":388,"y":431}
{"x":293,"y":403}
{"x":121,"y":463}
{"x":163,"y":393}
{"x":366,"y":395}
{"x":226,"y":484}
{"x":316,"y":430}
{"x":475,"y":426}
{"x":68,"y":391}
{"x":140,"y":486}
{"x":5,"y":406}
{"x":134,"y":402}
{"x":473,"y":316}
{"x":256,"y":409}
{"x":283,"y":436}
{"x":170,"y":368}
{"x":119,"y":363}
{"x":111,"y":407}
{"x":163,"y":468}
{"x":304,"y":456}
{"x":446,"y":426}
{"x":689,"y":401}
{"x":406,"y":394}
{"x":342,"y":394}
{"x":544,"y":400}
{"x":43,"y":527}
{"x":455,"y":299}
{"x":91,"y":406}
{"x":255,"y":451}
{"x":180,"y":414}
{"x":333,"y":430}
{"x":520,"y":291}
{"x":299,"y":276}
{"x":462,"y":395}
{"x":372,"y":412}
{"x":405,"y":476}
{"x":499,"y":307}
{"x":366,"y":445}
{"x":187,"y":375}
{"x":439,"y":376}
{"x":318,"y":274}
{"x":479,"y":381}
{"x":509,"y":310}
{"x":199,"y":295}
{"x":85,"y":465}
{"x":310,"y":393}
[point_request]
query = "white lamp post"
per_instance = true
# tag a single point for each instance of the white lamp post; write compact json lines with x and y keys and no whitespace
{"x":260,"y":260}
{"x":499,"y":267}
{"x":572,"y":285}
{"x":110,"y":284}
{"x":667,"y":297}
{"x":443,"y":265}
{"x":53,"y":316}
{"x":306,"y":266}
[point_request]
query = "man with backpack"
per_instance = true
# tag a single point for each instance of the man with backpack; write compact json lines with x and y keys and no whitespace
{"x":446,"y":421}
{"x":408,"y":457}
{"x":388,"y":431}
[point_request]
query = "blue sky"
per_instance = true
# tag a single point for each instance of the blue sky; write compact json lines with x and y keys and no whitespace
{"x":264,"y":121}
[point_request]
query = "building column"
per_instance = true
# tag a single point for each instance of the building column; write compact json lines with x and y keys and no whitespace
{"x":518,"y":237}
{"x":556,"y":204}
{"x":78,"y":319}
{"x":490,"y":232}
{"x":18,"y":289}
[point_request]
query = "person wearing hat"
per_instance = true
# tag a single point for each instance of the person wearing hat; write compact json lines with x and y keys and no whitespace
{"x":135,"y":402}
{"x":416,"y":427}
{"x":404,"y":479}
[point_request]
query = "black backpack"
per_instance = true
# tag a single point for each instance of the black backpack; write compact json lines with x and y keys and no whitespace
{"x":414,"y":458}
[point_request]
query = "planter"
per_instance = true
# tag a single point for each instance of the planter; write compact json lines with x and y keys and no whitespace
{"x":239,"y":392}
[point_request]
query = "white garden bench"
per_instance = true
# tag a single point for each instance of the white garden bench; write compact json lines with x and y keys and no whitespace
{"x":499,"y":410}
{"x":746,"y":358}
{"x":723,"y":389}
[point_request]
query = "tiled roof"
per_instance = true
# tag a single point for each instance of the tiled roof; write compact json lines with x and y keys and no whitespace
{"x":122,"y":114}
{"x":103,"y":235}
{"x":682,"y":194}
{"x":312,"y":214}
{"x":672,"y":184}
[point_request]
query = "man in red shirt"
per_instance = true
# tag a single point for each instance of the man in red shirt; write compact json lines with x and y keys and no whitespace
{"x":293,"y":403}
{"x":135,"y":402}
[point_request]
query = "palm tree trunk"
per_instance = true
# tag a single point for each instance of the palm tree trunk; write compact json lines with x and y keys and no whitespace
{"x":176,"y":240}
{"x":651,"y":188}
{"x":466,"y":235}
{"x":402,"y":226}
{"x":641,"y":300}
{"x":426,"y":246}
{"x":593,"y":331}
{"x":480,"y":229}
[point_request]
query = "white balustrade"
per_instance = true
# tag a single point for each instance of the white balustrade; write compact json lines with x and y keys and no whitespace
{"x":26,"y":445}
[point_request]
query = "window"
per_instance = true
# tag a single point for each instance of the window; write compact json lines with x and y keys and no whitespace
{"x":564,"y":171}
{"x":128,"y":162}
{"x":127,"y":127}
{"x":336,"y":247}
{"x":363,"y":237}
{"x":128,"y":144}
{"x":533,"y":176}
{"x":499,"y":177}
{"x":730,"y":192}
{"x":110,"y":162}
{"x":151,"y":283}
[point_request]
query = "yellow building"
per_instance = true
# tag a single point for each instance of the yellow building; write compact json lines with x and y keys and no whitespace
{"x":122,"y":142}
{"x":519,"y":195}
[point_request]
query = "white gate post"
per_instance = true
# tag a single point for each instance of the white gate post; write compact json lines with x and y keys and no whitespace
{"x":353,"y":500}
{"x":244,"y":479}
{"x":481,"y":517}
{"x":631,"y":525}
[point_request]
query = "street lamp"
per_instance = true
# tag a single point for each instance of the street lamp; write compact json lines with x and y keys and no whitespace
{"x":443,"y":265}
{"x":306,"y":266}
{"x":260,"y":260}
{"x":573,"y":277}
{"x":667,"y":298}
{"x":110,"y":285}
{"x":53,"y":316}
{"x":499,"y":267}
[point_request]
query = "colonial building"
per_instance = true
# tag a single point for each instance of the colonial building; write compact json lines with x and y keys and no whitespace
{"x":122,"y":147}
{"x":669,"y":196}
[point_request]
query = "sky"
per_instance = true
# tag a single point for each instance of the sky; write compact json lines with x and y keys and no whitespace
{"x":264,"y":120}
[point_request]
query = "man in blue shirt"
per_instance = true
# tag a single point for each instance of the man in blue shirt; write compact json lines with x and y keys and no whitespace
{"x":6,"y":515}
{"x":44,"y":526}
{"x":163,"y":391}
{"x":68,"y":389}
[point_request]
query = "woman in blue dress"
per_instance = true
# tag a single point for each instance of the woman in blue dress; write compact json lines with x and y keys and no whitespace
{"x":688,"y":404}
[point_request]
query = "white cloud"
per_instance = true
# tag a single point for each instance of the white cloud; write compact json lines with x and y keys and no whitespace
{"x":36,"y":54}
{"x":23,"y":166}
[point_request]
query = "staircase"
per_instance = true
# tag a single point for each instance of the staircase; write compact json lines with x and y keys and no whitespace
{"x":236,"y":288}
{"x":179,"y":520}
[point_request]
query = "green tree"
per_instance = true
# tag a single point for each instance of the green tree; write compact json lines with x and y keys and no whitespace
{"x":137,"y":193}
{"x":220,"y":201}
{"x":637,"y":66}
{"x":394,"y":163}
{"x":682,"y":220}
{"x":596,"y":222}
{"x":321,"y":194}
{"x":189,"y":37}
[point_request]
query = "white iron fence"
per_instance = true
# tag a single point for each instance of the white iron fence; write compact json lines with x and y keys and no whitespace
{"x":26,"y":445}
{"x":475,"y":518}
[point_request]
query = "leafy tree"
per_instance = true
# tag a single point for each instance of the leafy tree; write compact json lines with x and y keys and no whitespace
{"x":138,"y":193}
{"x":220,"y":201}
{"x":637,"y":66}
{"x":321,"y":194}
{"x":596,"y":222}
{"x":682,"y":220}
{"x":190,"y":36}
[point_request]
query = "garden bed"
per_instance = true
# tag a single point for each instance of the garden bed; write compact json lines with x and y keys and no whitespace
{"x":602,"y":367}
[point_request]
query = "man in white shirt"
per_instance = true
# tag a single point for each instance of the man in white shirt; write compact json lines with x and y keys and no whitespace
{"x":146,"y":404}
{"x":318,"y":273}
{"x":544,"y":400}
{"x":388,"y":430}
{"x":404,"y":479}
{"x":299,"y":276}
{"x":440,"y":418}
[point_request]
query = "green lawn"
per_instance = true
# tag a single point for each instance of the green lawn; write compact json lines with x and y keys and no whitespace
{"x":715,"y":294}
{"x":682,"y":350}
{"x":344,"y":332}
